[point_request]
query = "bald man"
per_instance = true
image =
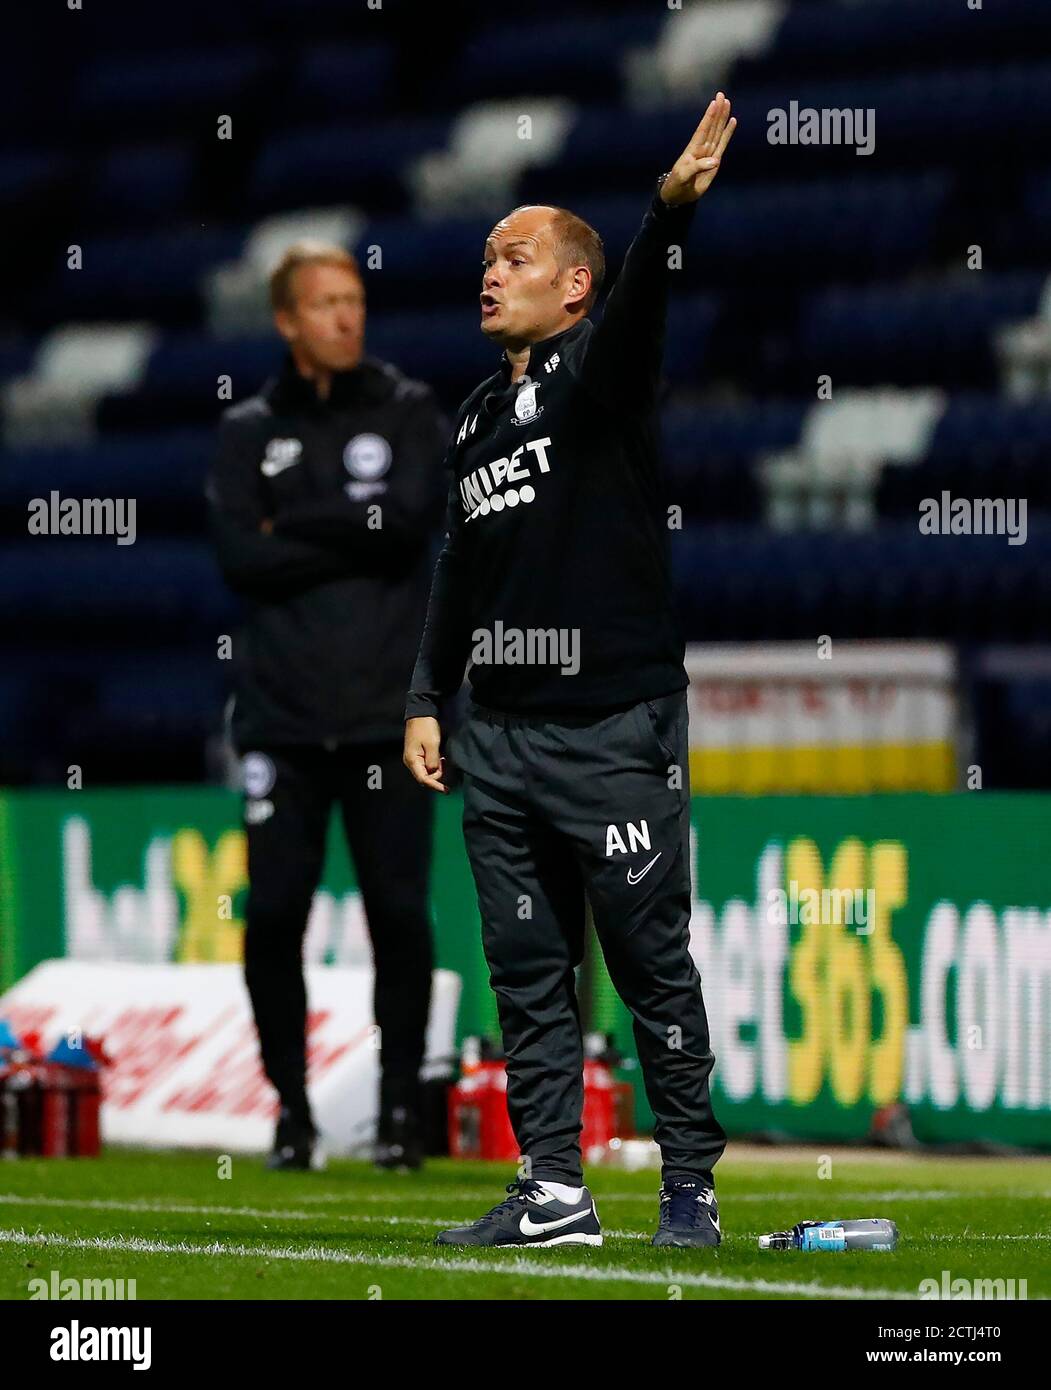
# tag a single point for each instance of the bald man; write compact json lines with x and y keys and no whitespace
{"x":554,"y":584}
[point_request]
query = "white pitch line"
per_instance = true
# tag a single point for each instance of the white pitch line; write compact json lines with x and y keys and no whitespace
{"x":728,"y":1198}
{"x":274,"y":1214}
{"x":291,"y":1214}
{"x":905,"y":1195}
{"x":265,"y":1213}
{"x":439,"y":1222}
{"x":517,"y":1266}
{"x":192,"y":1209}
{"x":977,"y":1235}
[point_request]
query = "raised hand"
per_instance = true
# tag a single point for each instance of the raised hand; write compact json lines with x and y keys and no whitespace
{"x":693,"y":173}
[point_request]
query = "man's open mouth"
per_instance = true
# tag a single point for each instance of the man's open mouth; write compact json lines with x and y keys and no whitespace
{"x":489,"y":306}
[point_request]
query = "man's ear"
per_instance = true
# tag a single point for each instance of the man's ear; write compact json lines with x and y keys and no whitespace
{"x":285,"y":325}
{"x":579,"y":286}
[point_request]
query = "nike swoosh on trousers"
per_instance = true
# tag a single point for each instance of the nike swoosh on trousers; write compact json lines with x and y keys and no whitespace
{"x":646,"y":870}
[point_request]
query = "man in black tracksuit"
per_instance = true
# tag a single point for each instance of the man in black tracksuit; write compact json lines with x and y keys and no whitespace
{"x":554,"y":582}
{"x":323,"y":498}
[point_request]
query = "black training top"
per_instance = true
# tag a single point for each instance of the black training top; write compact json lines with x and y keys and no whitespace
{"x":336,"y":593}
{"x":554,"y":579}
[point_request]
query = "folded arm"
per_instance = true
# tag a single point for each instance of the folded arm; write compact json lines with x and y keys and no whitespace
{"x":401,"y":515}
{"x":255,"y":563}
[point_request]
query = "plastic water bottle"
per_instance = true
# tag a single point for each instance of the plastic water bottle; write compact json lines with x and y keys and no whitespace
{"x":863,"y":1233}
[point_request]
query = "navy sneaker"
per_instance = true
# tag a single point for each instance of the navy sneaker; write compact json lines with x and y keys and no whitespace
{"x":530,"y":1216}
{"x":297,"y":1146}
{"x":689,"y":1214}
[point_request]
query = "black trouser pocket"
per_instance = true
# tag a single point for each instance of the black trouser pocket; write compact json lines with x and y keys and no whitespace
{"x":663,"y":718}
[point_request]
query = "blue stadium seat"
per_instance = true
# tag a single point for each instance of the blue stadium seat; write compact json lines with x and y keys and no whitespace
{"x":141,"y":184}
{"x":434,"y":263}
{"x":165,"y":466}
{"x":157,"y":275}
{"x":181,"y":384}
{"x":746,"y":429}
{"x":16,"y":356}
{"x":170,"y":585}
{"x":832,"y":39}
{"x":580,"y":54}
{"x":940,"y":333}
{"x":30,"y":174}
{"x":172,"y":696}
{"x":409,"y":338}
{"x":1036,"y":211}
{"x":189,"y":363}
{"x":740,"y":583}
{"x":161,"y":90}
{"x":689,"y":329}
{"x":982,"y":446}
{"x":343,"y":164}
{"x":336,"y":80}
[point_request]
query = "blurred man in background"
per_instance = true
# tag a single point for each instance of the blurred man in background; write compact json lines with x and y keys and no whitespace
{"x":323,"y":496}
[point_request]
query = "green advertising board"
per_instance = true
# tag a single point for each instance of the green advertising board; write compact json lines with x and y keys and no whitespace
{"x":158,"y":874}
{"x":856,"y":952}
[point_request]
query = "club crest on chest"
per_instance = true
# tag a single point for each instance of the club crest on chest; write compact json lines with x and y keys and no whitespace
{"x":526,"y":408}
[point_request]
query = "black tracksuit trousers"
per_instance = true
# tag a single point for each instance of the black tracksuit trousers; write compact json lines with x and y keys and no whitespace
{"x":554,"y":809}
{"x":388,"y":830}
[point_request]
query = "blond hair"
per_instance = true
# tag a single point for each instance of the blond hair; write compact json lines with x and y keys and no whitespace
{"x":305,"y":252}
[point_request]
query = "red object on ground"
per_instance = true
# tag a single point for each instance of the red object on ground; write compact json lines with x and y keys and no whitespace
{"x":49,"y":1109}
{"x":98,"y":1052}
{"x":87,"y":1132}
{"x":56,"y":1105}
{"x":22,"y":1110}
{"x":9,"y":1127}
{"x":480,"y":1127}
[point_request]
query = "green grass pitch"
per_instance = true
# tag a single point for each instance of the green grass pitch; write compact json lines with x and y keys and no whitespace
{"x":181,"y":1231}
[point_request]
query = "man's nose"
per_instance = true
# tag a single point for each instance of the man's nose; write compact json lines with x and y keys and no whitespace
{"x":491,"y":279}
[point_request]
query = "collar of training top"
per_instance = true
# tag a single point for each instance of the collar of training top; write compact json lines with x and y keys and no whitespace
{"x":291,"y":392}
{"x":539,"y":353}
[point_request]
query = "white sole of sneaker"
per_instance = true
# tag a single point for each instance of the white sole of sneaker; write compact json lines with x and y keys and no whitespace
{"x":578,"y":1239}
